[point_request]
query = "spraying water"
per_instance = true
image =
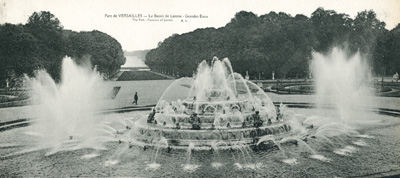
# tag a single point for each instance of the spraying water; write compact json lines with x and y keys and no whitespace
{"x":64,"y":111}
{"x":343,"y":82}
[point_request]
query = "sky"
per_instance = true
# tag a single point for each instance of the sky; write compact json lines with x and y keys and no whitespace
{"x":134,"y":34}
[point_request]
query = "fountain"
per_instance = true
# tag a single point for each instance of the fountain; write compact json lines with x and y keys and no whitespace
{"x":65,"y":111}
{"x":216,"y":106}
{"x":343,"y":84}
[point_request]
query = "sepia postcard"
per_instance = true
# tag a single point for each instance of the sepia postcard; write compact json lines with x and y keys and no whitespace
{"x":213,"y":88}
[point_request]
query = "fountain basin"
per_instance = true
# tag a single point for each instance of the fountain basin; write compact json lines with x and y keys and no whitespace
{"x":148,"y":134}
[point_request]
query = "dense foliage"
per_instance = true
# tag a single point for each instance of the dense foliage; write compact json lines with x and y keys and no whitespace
{"x":103,"y":51}
{"x":42,"y":43}
{"x":279,"y":42}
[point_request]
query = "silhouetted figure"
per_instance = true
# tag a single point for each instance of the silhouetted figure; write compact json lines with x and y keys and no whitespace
{"x":244,"y":124}
{"x":257,"y":120}
{"x":136,"y":99}
{"x":249,"y":120}
{"x":178,"y":126}
{"x":195,"y":121}
{"x":150,"y":119}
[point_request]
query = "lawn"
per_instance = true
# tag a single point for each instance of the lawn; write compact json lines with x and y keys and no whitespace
{"x":140,"y":75}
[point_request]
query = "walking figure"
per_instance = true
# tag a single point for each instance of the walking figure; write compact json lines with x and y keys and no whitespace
{"x":136,"y":98}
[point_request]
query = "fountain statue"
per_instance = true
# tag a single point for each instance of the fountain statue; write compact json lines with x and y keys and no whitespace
{"x":216,"y":106}
{"x":273,"y":75}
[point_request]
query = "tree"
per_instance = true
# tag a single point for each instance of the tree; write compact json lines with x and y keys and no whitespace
{"x":278,"y":42}
{"x":17,"y":52}
{"x":46,"y":28}
{"x":97,"y":49}
{"x":367,"y":33}
{"x":391,"y":53}
{"x":41,"y":44}
{"x":331,"y":28}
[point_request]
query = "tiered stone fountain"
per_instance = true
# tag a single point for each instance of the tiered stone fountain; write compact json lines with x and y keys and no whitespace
{"x":216,"y":107}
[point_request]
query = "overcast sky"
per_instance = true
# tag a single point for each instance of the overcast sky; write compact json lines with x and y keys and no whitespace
{"x":88,"y":15}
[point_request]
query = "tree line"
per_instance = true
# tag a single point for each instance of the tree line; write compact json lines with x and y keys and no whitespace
{"x":42,"y":43}
{"x":281,"y":43}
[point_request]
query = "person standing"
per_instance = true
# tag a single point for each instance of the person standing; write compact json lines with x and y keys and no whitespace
{"x":136,"y":98}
